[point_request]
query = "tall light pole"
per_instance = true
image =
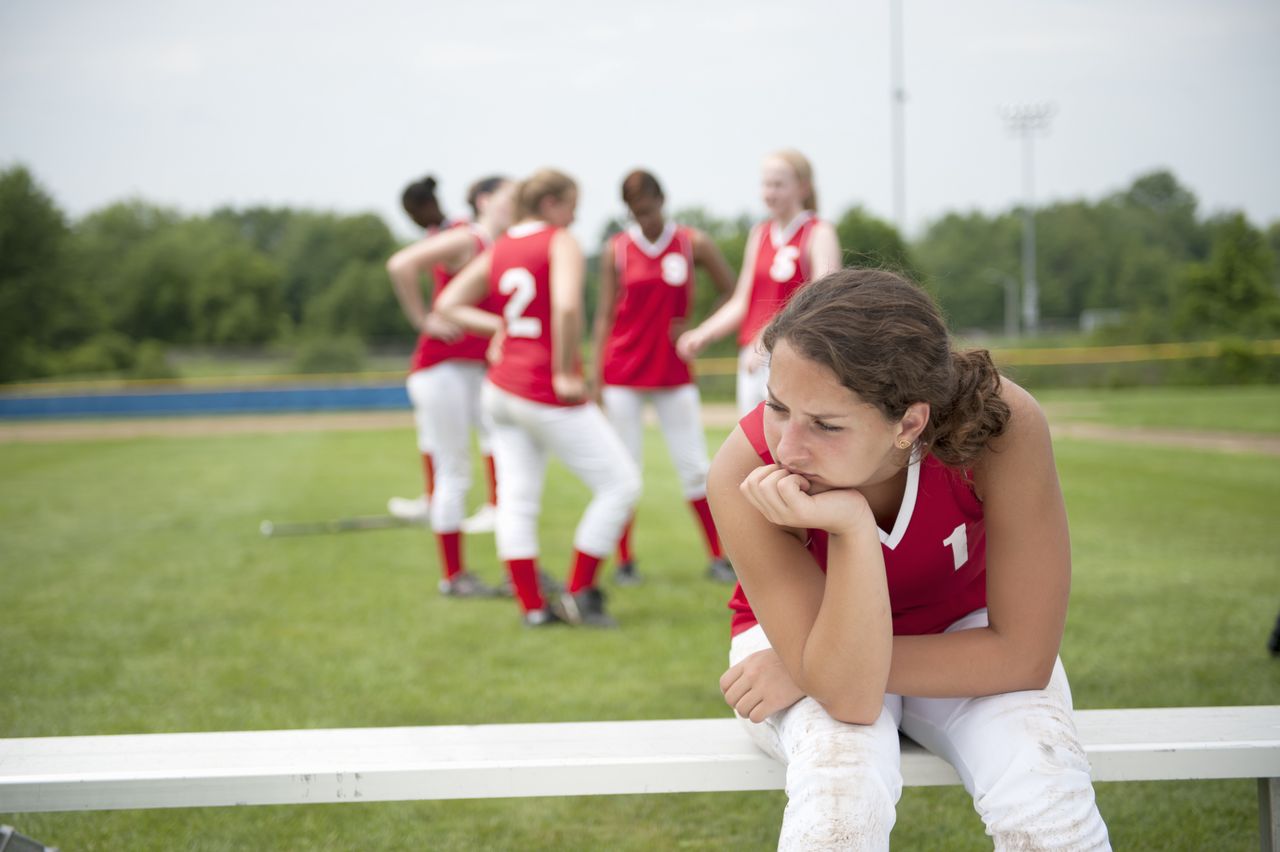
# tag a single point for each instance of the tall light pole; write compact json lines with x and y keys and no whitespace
{"x":1027,"y":120}
{"x":899,"y":98}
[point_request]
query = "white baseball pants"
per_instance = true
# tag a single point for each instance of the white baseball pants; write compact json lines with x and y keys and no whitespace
{"x":679,"y":412}
{"x":446,"y":407}
{"x":525,"y":435}
{"x":752,"y":384}
{"x":1018,"y":754}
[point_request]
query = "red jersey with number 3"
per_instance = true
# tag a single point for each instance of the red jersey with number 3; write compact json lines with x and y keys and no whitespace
{"x":520,"y":286}
{"x":782,"y":265}
{"x":470,"y":347}
{"x":655,"y":287}
{"x":935,"y":558}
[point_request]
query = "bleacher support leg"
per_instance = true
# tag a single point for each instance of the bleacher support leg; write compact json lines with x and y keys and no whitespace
{"x":1269,"y":814}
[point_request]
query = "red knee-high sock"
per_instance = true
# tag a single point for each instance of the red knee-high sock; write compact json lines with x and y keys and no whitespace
{"x":703,"y":511}
{"x":584,"y":571}
{"x":492,"y":471}
{"x":429,"y":474}
{"x":450,"y":553}
{"x":524,"y":576}
{"x":624,"y":543}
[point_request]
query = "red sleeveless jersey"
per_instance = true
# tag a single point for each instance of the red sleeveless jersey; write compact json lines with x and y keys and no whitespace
{"x":782,"y":265}
{"x":470,"y":347}
{"x":935,"y":557}
{"x":520,"y":286}
{"x":655,"y":289}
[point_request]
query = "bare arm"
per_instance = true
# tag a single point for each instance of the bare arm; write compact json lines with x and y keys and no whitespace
{"x":729,"y":317}
{"x":406,"y":268}
{"x":833,"y":634}
{"x":467,"y":289}
{"x":1028,"y":575}
{"x":605,"y":299}
{"x":568,"y":271}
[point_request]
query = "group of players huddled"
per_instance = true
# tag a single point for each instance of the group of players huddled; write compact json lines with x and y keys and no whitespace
{"x":499,"y":354}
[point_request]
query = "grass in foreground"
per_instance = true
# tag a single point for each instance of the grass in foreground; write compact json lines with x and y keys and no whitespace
{"x":141,"y":598}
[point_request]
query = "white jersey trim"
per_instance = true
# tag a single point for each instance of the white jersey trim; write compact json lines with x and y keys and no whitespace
{"x":526,"y":229}
{"x":658,"y":246}
{"x":893,"y":539}
{"x":780,"y":236}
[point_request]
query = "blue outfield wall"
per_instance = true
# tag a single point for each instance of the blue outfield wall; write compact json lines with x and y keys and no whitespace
{"x":163,"y":403}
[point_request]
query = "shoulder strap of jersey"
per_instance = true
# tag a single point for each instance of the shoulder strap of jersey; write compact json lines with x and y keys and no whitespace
{"x":752,"y":425}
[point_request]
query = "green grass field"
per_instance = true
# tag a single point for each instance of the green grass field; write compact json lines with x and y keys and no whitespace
{"x":139,"y":597}
{"x":1254,"y":408}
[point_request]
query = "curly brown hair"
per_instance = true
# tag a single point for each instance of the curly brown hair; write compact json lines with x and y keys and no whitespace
{"x":885,"y":340}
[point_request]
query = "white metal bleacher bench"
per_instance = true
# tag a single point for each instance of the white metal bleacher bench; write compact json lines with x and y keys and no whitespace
{"x":564,"y":759}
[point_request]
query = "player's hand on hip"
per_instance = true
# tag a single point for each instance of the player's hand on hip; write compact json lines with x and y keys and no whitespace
{"x":568,"y":387}
{"x":759,"y":686}
{"x":493,"y":353}
{"x":440,"y":328}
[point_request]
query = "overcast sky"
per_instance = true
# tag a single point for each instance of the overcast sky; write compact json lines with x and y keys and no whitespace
{"x":337,"y":106}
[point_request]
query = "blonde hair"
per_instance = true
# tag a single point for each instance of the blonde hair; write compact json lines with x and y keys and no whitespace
{"x":543,"y":183}
{"x":803,"y":169}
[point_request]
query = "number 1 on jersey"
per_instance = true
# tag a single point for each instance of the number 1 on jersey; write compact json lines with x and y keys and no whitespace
{"x":519,"y":284}
{"x":958,"y":541}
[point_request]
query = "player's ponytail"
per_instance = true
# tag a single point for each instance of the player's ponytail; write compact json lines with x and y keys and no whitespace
{"x":542,"y":184}
{"x":885,"y":340}
{"x":958,"y":433}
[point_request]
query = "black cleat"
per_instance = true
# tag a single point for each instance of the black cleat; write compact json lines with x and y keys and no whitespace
{"x":545,"y":617}
{"x":627,"y":575}
{"x":586,"y":607}
{"x":464,"y":584}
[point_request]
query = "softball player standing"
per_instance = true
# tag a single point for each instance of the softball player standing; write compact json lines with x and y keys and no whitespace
{"x":793,"y":246}
{"x":536,"y":398}
{"x":445,"y":378}
{"x":646,"y":291}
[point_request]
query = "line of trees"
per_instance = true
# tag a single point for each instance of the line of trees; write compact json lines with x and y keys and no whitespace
{"x":113,"y":291}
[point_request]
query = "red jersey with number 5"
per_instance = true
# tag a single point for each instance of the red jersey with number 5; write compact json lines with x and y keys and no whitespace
{"x":470,"y":347}
{"x":520,"y":286}
{"x":655,"y":286}
{"x":935,"y":558}
{"x":782,"y":265}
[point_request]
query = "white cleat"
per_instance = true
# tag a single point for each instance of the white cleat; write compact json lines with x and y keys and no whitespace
{"x":416,"y":509}
{"x":483,"y":521}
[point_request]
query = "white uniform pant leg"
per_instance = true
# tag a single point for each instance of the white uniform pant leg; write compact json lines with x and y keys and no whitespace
{"x":520,"y":462}
{"x":420,"y":399}
{"x":1020,"y":758}
{"x":680,"y":415}
{"x":483,"y":424}
{"x":581,"y":437}
{"x":752,"y":384}
{"x":843,"y":781}
{"x":453,"y":387}
{"x":624,"y":407}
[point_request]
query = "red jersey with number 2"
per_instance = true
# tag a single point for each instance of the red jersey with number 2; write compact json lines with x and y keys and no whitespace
{"x":655,"y":286}
{"x":470,"y":347}
{"x":935,"y":558}
{"x":782,"y":265}
{"x":520,"y":286}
